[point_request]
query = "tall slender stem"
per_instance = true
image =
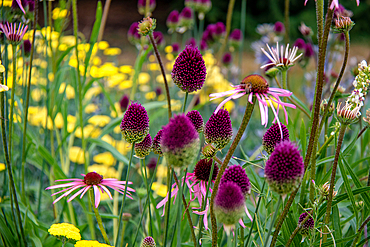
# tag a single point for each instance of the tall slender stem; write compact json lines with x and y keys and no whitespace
{"x":104,"y":19}
{"x":98,"y":218}
{"x":124,"y":192}
{"x":205,"y":203}
{"x":286,"y":21}
{"x":167,"y":219}
{"x":27,"y":103}
{"x":273,"y":220}
{"x":180,"y":186}
{"x":315,"y":117}
{"x":228,"y":27}
{"x":242,"y":30}
{"x":143,"y":169}
{"x":185,"y":99}
{"x":163,"y":73}
{"x":367,"y":220}
{"x":11,"y":116}
{"x":332,"y":179}
{"x":243,"y":126}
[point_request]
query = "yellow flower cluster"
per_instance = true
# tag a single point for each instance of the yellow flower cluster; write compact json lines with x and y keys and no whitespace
{"x":65,"y":230}
{"x":90,"y":243}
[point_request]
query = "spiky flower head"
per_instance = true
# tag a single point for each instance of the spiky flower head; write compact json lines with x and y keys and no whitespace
{"x":189,"y":70}
{"x":343,"y":24}
{"x":237,"y":175}
{"x":307,"y":226}
{"x":202,"y":6}
{"x":26,"y":47}
{"x":133,"y":34}
{"x":229,"y":203}
{"x":179,"y":142}
{"x":209,"y":150}
{"x":65,"y":231}
{"x":274,"y":135}
{"x":218,"y":129}
{"x":197,"y":120}
{"x":143,"y":148}
{"x":135,"y":123}
{"x":347,"y":115}
{"x":284,"y":169}
{"x":148,"y":242}
{"x":203,"y":168}
{"x":156,"y":147}
{"x":147,"y":26}
{"x":13,"y":33}
{"x":235,"y":38}
{"x":279,"y":27}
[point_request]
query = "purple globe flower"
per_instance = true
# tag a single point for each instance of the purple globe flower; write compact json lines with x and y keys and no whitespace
{"x":191,"y":42}
{"x":148,"y":242}
{"x":237,"y":175}
{"x":31,"y":5}
{"x":123,"y":103}
{"x":284,"y":169}
{"x":26,"y":47}
{"x":175,"y":48}
{"x":135,"y":123}
{"x":235,"y":38}
{"x":197,"y":120}
{"x":229,"y":203}
{"x":158,"y":91}
{"x":220,"y":29}
{"x":143,"y":148}
{"x":273,"y":136}
{"x":173,"y":20}
{"x":132,"y":34}
{"x":180,"y":141}
{"x":189,"y":70}
{"x":203,"y":45}
{"x":158,"y":37}
{"x":152,"y":163}
{"x":157,"y":143}
{"x":279,"y":27}
{"x":203,"y":168}
{"x":227,"y":59}
{"x":300,"y":43}
{"x":307,"y":226}
{"x":218,"y":129}
{"x":308,"y":51}
{"x":186,"y":20}
{"x":141,"y":5}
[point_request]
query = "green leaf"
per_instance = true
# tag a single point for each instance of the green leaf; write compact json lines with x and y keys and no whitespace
{"x":303,"y":134}
{"x":336,"y":223}
{"x":6,"y":233}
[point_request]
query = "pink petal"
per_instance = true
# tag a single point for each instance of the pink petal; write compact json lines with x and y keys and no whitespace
{"x":96,"y":195}
{"x":85,"y":190}
{"x":106,"y":190}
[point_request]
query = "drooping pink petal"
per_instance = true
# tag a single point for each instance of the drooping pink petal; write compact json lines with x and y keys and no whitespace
{"x":96,"y":195}
{"x":241,"y":222}
{"x":106,"y":190}
{"x":62,"y":185}
{"x":75,"y":195}
{"x":85,"y":190}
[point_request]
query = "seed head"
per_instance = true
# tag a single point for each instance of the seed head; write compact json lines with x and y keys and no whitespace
{"x":218,"y":129}
{"x":135,"y":123}
{"x":143,"y":148}
{"x":197,"y":120}
{"x":203,"y":169}
{"x":237,"y":175}
{"x":255,"y":84}
{"x":273,"y":136}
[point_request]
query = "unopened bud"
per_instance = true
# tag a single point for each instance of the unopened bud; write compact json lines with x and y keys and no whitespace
{"x":343,"y":24}
{"x":126,"y":216}
{"x":272,"y":72}
{"x":209,"y":151}
{"x":325,"y":189}
{"x":146,"y":26}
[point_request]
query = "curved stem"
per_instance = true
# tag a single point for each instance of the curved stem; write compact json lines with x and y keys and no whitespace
{"x":180,"y":194}
{"x":124,"y":192}
{"x":104,"y":19}
{"x":98,"y":218}
{"x":163,"y":73}
{"x":27,"y":103}
{"x":318,"y":93}
{"x":332,"y":180}
{"x":367,"y":220}
{"x":243,"y":126}
{"x":228,"y":27}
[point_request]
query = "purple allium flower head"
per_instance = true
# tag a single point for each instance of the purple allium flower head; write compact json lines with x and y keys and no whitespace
{"x":227,"y":59}
{"x":132,"y":34}
{"x":123,"y":103}
{"x":186,"y":19}
{"x":143,"y":148}
{"x":307,"y":226}
{"x":308,"y":51}
{"x":189,"y":70}
{"x":229,"y":203}
{"x":186,"y":13}
{"x":203,"y":168}
{"x":273,"y":136}
{"x":220,"y":29}
{"x":284,"y":169}
{"x":135,"y":123}
{"x":236,"y":35}
{"x":197,"y":120}
{"x":158,"y":91}
{"x":31,"y":5}
{"x":158,"y":37}
{"x":300,"y":44}
{"x":173,"y":20}
{"x":203,"y":6}
{"x":207,"y":36}
{"x":157,"y":143}
{"x":279,"y":27}
{"x":152,"y":163}
{"x":191,"y":42}
{"x":26,"y":46}
{"x":141,"y":5}
{"x":218,"y":129}
{"x":237,"y":175}
{"x":180,"y":141}
{"x":175,"y":48}
{"x":203,"y":45}
{"x":148,"y":242}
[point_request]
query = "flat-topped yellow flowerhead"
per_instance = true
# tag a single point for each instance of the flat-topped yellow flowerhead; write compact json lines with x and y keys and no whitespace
{"x":65,"y":230}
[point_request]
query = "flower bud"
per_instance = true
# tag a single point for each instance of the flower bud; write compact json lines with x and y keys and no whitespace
{"x":197,"y":120}
{"x":307,"y":226}
{"x":367,"y":118}
{"x":148,"y":242}
{"x":323,"y":105}
{"x":143,"y":148}
{"x":218,"y":129}
{"x":237,"y":175}
{"x":343,"y":24}
{"x":135,"y":124}
{"x":146,"y":26}
{"x":324,"y":191}
{"x":209,"y":151}
{"x":141,"y":6}
{"x":274,"y":136}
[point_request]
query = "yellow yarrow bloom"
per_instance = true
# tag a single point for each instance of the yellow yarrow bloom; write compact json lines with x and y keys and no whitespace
{"x":90,"y":108}
{"x":103,"y":45}
{"x":90,"y":243}
{"x":99,"y":120}
{"x":143,"y":78}
{"x":112,"y":51}
{"x":76,"y":155}
{"x":59,"y":14}
{"x":105,"y":171}
{"x":2,"y":167}
{"x":89,"y":131}
{"x":6,"y":3}
{"x":159,"y":78}
{"x":126,"y":69}
{"x":150,"y":95}
{"x":92,"y":92}
{"x":168,"y":49}
{"x":105,"y":158}
{"x":160,"y":189}
{"x":65,"y":230}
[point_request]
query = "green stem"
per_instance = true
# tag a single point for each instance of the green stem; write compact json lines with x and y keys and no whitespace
{"x":179,"y":211}
{"x":184,"y":106}
{"x":143,"y":168}
{"x":284,"y":78}
{"x":228,"y":27}
{"x":242,"y":30}
{"x":359,"y":231}
{"x":286,"y":21}
{"x":241,"y":242}
{"x":204,"y":204}
{"x":229,"y":240}
{"x":255,"y":213}
{"x":27,"y":103}
{"x":125,"y":192}
{"x":332,"y":180}
{"x":104,"y":20}
{"x":243,"y":126}
{"x":11,"y":116}
{"x":168,"y":207}
{"x":97,"y":216}
{"x":317,"y":101}
{"x":163,"y":73}
{"x":273,"y":220}
{"x":297,"y":230}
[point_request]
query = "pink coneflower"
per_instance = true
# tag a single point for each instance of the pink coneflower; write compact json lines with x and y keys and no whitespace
{"x":90,"y":180}
{"x":280,"y":59}
{"x":12,"y":33}
{"x":266,"y":96}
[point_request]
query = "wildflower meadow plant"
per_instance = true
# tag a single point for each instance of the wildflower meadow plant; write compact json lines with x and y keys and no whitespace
{"x":169,"y":151}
